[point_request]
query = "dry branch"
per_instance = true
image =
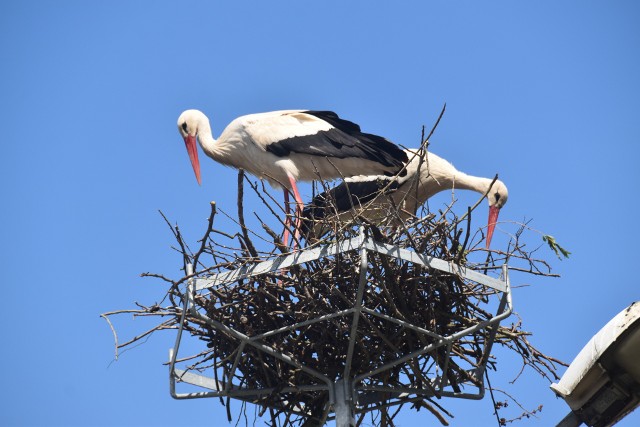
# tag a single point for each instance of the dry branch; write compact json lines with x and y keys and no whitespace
{"x":440,"y":302}
{"x":433,"y":300}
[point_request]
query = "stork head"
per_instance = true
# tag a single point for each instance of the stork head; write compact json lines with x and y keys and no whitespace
{"x":190,"y":123}
{"x":498,"y":195}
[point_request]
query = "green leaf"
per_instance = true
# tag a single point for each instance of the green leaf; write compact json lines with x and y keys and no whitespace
{"x":551,"y":241}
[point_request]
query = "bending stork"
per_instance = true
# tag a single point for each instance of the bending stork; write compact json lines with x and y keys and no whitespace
{"x":427,"y":174}
{"x":284,"y":147}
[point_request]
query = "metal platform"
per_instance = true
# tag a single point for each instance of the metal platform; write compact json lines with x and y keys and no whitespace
{"x":353,"y":392}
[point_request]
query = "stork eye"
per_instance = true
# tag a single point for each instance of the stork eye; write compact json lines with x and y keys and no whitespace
{"x":184,"y":127}
{"x":497,"y":196}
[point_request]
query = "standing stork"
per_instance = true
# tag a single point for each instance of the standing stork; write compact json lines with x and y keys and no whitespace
{"x":287,"y":146}
{"x":427,"y":174}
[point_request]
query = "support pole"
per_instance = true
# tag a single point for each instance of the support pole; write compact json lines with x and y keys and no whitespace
{"x":344,"y":404}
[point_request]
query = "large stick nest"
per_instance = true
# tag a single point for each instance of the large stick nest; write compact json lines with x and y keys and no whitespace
{"x":439,"y":302}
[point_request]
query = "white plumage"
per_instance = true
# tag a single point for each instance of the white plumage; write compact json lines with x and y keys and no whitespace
{"x":427,"y":174}
{"x":287,"y":146}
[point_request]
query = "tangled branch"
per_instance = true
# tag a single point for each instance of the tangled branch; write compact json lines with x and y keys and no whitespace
{"x":440,"y":302}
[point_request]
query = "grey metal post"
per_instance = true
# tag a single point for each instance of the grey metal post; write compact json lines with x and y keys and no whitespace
{"x":344,"y":404}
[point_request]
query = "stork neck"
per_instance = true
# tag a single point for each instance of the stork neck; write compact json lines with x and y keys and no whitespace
{"x":206,"y":139}
{"x":470,"y":182}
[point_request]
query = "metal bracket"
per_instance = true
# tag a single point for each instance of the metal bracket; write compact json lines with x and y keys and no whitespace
{"x":351,"y":394}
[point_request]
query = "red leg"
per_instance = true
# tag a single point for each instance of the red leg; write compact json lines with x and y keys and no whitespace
{"x":299,"y":208}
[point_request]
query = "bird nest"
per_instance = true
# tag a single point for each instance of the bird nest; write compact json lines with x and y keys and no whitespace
{"x":276,"y":328}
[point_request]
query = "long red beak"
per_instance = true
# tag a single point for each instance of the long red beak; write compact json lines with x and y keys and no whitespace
{"x":491,"y":224}
{"x":192,"y":149}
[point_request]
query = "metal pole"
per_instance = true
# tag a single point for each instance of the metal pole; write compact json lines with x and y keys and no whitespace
{"x":344,"y":404}
{"x":173,"y":353}
{"x":364,"y":264}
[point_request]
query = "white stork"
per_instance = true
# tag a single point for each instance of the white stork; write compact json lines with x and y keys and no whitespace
{"x":427,"y":174}
{"x":287,"y":146}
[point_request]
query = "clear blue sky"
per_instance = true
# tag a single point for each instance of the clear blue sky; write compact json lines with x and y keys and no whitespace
{"x":544,"y":93}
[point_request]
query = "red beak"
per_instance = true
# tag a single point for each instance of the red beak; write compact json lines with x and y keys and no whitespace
{"x":491,"y":224}
{"x":192,"y":149}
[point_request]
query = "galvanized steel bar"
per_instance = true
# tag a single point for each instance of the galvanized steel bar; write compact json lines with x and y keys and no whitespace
{"x":278,"y":263}
{"x":444,"y":379}
{"x":504,"y":301}
{"x":212,"y":384}
{"x":301,"y":324}
{"x":232,"y":372}
{"x":344,"y":406}
{"x":353,"y":334}
{"x":269,"y":350}
{"x":436,"y":263}
{"x":341,"y":393}
{"x":403,"y":393}
{"x":432,"y":347}
{"x":402,"y":323}
{"x":173,"y":353}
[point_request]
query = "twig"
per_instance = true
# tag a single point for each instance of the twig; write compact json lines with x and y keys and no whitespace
{"x":207,"y":233}
{"x":247,"y":240}
{"x":105,"y":316}
{"x":277,"y":309}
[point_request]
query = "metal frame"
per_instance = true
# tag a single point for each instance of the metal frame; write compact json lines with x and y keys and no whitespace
{"x":346,"y":394}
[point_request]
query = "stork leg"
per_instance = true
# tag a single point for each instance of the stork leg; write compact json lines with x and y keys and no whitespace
{"x":287,"y":224}
{"x":299,"y":209}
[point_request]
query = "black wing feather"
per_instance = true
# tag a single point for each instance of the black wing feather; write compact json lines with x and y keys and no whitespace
{"x":342,"y":198}
{"x":344,"y":140}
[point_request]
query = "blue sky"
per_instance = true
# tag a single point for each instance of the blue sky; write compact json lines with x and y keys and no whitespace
{"x":543,"y":93}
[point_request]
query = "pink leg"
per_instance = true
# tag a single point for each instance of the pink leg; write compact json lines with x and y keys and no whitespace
{"x":299,"y":208}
